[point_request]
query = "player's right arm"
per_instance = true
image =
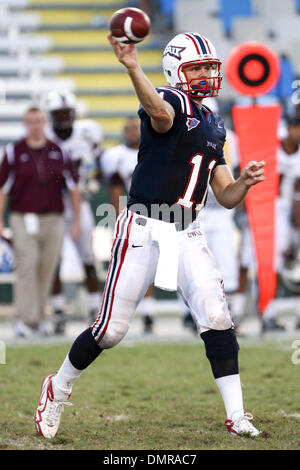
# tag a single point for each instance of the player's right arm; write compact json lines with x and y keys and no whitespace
{"x":160,"y":111}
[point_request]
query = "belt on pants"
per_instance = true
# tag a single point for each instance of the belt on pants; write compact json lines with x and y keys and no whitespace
{"x":187,"y":217}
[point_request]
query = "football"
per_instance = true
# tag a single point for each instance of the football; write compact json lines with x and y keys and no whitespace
{"x":129,"y":25}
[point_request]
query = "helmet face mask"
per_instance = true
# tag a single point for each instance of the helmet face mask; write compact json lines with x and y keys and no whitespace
{"x":63,"y":118}
{"x":186,"y":50}
{"x":208,"y":85}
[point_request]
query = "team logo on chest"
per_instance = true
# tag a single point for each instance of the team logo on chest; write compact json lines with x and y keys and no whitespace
{"x":191,"y":123}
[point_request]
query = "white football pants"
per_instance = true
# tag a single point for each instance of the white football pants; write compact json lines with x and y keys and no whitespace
{"x":134,"y":258}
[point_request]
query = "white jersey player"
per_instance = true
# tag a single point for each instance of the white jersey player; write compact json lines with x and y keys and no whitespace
{"x":289,"y":171}
{"x":117,"y":165}
{"x":81,"y":139}
{"x":288,"y":161}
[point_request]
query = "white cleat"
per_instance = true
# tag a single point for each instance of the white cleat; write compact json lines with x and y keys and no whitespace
{"x":48,"y":413}
{"x":242,"y":426}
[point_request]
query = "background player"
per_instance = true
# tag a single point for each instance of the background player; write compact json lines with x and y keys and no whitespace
{"x":288,"y":168}
{"x":289,"y":171}
{"x":118,"y":164}
{"x":33,"y":173}
{"x":81,"y":139}
{"x":181,"y":147}
{"x":291,"y":269}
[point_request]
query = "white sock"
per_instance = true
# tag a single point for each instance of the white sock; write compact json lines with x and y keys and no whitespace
{"x":231,"y":391}
{"x":94,"y":300}
{"x":64,"y":379}
{"x":57,"y":301}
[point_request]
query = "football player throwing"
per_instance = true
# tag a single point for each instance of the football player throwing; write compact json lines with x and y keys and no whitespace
{"x":157,"y":237}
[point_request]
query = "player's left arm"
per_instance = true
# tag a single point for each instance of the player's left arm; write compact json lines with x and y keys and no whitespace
{"x":161,"y":112}
{"x":75,"y":197}
{"x":230,"y":192}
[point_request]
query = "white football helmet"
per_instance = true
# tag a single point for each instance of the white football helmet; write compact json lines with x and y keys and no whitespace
{"x":188,"y":49}
{"x":59,"y":99}
{"x":60,"y":106}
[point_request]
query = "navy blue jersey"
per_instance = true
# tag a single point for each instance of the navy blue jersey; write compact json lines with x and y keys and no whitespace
{"x":175,"y":167}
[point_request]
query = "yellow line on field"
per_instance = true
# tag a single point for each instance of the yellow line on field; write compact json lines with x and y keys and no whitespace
{"x":107,"y":58}
{"x":111,"y":103}
{"x":82,"y":38}
{"x":110,"y":81}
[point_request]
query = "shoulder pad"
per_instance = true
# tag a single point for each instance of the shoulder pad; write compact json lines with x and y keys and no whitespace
{"x":178,"y":98}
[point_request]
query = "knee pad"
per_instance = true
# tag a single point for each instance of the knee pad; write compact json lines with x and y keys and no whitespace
{"x":217,"y":313}
{"x":114,"y":334}
{"x":220,"y":344}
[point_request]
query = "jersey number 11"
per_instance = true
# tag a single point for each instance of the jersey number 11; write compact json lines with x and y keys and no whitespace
{"x":186,"y":200}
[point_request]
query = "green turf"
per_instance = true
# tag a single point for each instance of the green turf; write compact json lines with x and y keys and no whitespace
{"x":152,"y":397}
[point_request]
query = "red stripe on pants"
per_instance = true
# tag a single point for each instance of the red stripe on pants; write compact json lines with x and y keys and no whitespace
{"x":123,"y":254}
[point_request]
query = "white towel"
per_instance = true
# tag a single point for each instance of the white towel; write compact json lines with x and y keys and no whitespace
{"x":167,"y":267}
{"x":32,"y":223}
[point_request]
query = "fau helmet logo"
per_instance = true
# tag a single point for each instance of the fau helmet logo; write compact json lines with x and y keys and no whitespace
{"x":174,"y":51}
{"x":192,"y":123}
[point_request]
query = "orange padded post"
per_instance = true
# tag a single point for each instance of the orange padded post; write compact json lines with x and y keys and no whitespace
{"x":253,"y":69}
{"x":256,"y":128}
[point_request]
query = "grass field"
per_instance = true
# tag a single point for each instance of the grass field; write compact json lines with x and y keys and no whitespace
{"x":152,"y":397}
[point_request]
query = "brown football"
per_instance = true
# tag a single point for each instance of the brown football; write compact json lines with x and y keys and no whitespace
{"x":129,"y":25}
